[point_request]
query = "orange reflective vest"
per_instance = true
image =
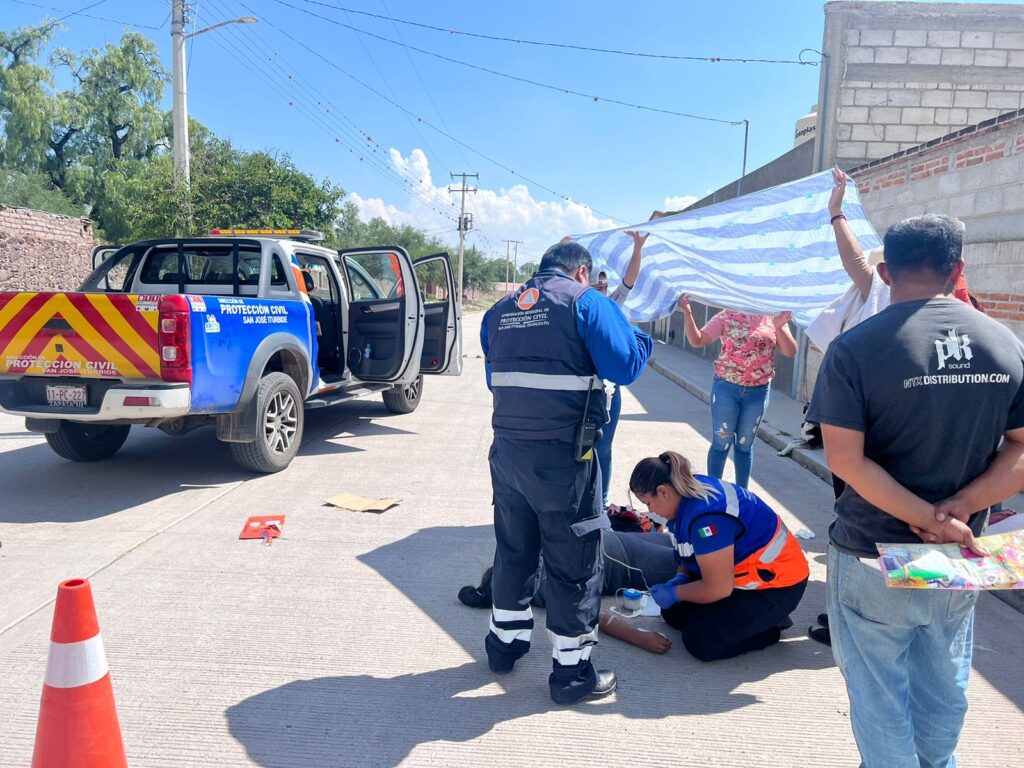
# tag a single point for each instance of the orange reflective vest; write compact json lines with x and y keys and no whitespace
{"x":779,"y":563}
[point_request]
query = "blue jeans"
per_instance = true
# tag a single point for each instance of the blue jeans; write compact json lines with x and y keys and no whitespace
{"x":906,"y":657}
{"x":604,"y":445}
{"x":736,"y":413}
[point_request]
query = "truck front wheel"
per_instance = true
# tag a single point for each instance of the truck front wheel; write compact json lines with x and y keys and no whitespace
{"x":87,"y":442}
{"x":405,"y":397}
{"x":279,"y":419}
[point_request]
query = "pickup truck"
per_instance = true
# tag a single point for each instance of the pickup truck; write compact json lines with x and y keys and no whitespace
{"x":243,"y":330}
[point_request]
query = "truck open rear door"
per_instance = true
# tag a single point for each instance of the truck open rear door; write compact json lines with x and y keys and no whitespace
{"x":442,"y":316}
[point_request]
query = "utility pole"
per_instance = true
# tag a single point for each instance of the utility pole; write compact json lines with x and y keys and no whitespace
{"x":462,"y":190}
{"x":508,"y":261}
{"x":179,"y":107}
{"x":515,"y":260}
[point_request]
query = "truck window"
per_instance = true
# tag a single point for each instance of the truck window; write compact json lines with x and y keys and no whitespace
{"x":114,"y":274}
{"x":208,"y":265}
{"x":374,"y":276}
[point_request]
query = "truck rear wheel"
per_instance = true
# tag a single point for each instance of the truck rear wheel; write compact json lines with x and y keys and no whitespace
{"x":87,"y":442}
{"x":279,"y":420}
{"x":405,"y":397}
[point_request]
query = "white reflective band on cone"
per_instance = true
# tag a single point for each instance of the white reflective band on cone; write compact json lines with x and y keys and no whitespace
{"x":71,"y":665}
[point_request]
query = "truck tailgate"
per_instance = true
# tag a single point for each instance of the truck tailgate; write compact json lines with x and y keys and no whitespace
{"x":80,"y":335}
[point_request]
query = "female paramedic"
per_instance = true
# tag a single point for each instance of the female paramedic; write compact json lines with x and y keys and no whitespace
{"x":741,"y":572}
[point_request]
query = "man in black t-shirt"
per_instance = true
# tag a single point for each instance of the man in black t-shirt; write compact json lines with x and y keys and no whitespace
{"x":914,"y":404}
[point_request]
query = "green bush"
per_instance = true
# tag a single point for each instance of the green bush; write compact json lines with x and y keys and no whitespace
{"x":33,"y":190}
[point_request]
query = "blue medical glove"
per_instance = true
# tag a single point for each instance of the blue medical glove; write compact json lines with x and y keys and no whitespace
{"x":665,"y":594}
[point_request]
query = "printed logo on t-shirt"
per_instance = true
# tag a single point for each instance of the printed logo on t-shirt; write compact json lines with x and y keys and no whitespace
{"x":707,"y":531}
{"x":954,"y":346}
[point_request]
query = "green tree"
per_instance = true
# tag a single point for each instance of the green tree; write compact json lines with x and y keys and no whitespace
{"x":526,"y":270}
{"x":24,"y":98}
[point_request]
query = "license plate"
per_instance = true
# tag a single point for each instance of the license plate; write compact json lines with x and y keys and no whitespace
{"x":67,"y":395}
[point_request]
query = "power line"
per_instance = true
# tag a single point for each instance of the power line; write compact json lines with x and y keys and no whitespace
{"x":322,"y":119}
{"x":86,"y":15}
{"x":387,"y":85}
{"x":54,"y":23}
{"x":262,"y":74}
{"x":507,"y":76}
{"x":521,"y":41}
{"x":423,"y":83}
{"x":430,"y":125}
{"x":358,"y":134}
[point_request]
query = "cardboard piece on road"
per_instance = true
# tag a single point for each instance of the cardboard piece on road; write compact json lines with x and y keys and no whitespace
{"x":255,"y":526}
{"x":362,"y":503}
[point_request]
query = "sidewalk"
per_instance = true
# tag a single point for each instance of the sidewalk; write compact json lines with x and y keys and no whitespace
{"x":780,"y":425}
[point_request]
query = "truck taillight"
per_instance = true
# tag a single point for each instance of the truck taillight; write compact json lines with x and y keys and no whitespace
{"x":175,"y":339}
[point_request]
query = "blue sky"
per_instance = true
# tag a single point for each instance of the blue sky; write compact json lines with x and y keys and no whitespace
{"x":620,"y":161}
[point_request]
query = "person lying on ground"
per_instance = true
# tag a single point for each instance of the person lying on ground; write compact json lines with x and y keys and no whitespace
{"x":741,"y":572}
{"x":632,"y":561}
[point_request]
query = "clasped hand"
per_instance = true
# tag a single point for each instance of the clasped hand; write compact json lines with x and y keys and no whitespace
{"x":950,"y":527}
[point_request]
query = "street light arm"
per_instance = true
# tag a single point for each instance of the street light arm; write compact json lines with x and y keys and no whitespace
{"x":242,"y":20}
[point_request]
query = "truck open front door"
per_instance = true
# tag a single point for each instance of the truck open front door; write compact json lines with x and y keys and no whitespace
{"x":385,"y":328}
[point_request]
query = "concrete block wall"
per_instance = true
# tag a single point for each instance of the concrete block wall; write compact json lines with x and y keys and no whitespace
{"x":902,"y":74}
{"x":43,"y":251}
{"x":977,"y":176}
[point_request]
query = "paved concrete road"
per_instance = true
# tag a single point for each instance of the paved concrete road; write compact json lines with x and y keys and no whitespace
{"x":343,"y":644}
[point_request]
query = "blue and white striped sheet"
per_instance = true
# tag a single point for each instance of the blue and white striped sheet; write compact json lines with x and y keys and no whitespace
{"x":764,"y":253}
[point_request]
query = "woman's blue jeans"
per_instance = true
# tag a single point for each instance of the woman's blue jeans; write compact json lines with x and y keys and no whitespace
{"x":604,"y":445}
{"x":736,"y":413}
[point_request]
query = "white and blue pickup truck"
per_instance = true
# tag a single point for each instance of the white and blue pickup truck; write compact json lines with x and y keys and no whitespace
{"x":243,"y":330}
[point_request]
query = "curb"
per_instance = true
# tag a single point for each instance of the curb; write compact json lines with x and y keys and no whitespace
{"x":776,"y":438}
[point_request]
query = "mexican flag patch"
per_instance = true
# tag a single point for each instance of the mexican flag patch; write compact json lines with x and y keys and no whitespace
{"x":707,"y":531}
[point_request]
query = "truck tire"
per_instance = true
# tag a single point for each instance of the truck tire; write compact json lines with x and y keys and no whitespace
{"x":405,"y":397}
{"x":87,"y":442}
{"x":279,"y":421}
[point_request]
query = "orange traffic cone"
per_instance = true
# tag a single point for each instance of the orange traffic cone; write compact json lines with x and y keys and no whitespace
{"x":78,"y":725}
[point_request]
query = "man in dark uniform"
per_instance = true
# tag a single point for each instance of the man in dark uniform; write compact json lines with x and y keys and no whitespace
{"x":548,"y":347}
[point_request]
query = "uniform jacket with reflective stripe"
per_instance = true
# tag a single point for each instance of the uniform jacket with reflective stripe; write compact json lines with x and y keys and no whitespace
{"x":540,"y":368}
{"x":756,"y":521}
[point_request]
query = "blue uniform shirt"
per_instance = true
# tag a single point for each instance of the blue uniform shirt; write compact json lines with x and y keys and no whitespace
{"x":730,"y":516}
{"x":619,"y":350}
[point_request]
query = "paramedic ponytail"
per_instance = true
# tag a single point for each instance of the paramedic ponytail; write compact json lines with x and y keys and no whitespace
{"x":671,"y":469}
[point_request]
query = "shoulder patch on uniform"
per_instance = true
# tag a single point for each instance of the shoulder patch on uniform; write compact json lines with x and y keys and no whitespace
{"x":707,"y":532}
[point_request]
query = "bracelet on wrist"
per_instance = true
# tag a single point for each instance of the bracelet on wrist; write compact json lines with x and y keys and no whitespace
{"x":837,"y":217}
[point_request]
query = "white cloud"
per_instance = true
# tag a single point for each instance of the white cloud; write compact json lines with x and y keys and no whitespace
{"x":511,"y":213}
{"x":679,"y":202}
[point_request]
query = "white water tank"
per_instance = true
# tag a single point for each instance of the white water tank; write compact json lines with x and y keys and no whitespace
{"x":806,"y":127}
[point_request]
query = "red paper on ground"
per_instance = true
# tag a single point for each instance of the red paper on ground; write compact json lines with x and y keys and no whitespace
{"x":255,"y":526}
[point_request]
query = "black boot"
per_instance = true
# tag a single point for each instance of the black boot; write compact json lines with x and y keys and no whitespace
{"x":478,"y":597}
{"x":570,"y":685}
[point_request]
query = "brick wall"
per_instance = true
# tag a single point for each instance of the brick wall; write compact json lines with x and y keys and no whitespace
{"x":43,"y":251}
{"x":902,"y":74}
{"x":976,"y":175}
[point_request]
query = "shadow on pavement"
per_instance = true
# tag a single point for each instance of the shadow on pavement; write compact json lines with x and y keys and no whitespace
{"x":39,"y":486}
{"x":369,"y":720}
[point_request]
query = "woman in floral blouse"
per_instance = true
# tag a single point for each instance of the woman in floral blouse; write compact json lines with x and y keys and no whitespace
{"x":743,"y":374}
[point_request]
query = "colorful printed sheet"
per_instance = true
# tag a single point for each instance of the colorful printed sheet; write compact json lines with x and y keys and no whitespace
{"x":930,"y":566}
